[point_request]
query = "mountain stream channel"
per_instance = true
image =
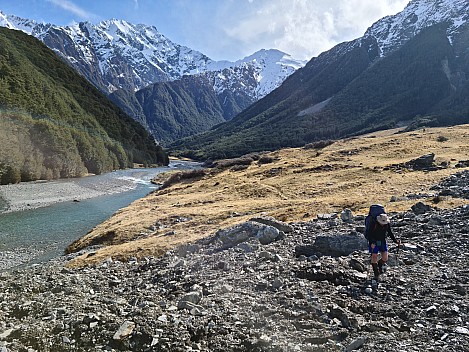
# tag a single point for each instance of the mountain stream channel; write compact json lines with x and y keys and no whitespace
{"x":42,"y":227}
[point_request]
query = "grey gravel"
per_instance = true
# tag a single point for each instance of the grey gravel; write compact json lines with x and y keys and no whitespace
{"x":230,"y":293}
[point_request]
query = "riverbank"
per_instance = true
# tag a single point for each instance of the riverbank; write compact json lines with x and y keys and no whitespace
{"x":37,"y":194}
{"x":33,"y":195}
{"x":42,"y":218}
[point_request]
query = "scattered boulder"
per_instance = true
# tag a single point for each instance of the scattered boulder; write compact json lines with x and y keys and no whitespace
{"x":125,"y":330}
{"x":357,"y":265}
{"x":346,"y":215}
{"x":420,"y":208}
{"x":423,"y":163}
{"x":339,"y":245}
{"x":189,"y":300}
{"x":356,"y":344}
{"x":270,"y":221}
{"x":305,"y":250}
{"x":237,"y":234}
{"x":462,"y":163}
{"x":310,"y":291}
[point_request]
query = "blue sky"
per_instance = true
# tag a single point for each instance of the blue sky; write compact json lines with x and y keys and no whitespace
{"x":226,"y":29}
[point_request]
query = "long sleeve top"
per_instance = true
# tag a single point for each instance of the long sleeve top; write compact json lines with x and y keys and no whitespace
{"x":378,"y":233}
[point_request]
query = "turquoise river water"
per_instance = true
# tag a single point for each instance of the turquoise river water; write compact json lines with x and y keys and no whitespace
{"x":37,"y":235}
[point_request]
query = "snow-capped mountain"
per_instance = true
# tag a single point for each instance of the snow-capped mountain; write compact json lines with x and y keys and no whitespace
{"x":116,"y":54}
{"x":408,"y":69}
{"x":392,"y":31}
{"x":261,"y":73}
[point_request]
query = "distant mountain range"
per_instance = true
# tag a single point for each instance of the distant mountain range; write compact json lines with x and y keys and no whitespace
{"x":122,"y":58}
{"x":409,"y":69}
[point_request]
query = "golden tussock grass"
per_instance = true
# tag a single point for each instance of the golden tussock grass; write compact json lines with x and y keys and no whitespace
{"x":297,"y":185}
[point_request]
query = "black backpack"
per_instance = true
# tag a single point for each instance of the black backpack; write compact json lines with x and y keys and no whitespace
{"x":370,"y":219}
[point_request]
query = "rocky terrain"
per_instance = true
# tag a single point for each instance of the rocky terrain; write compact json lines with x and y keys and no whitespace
{"x":261,"y":285}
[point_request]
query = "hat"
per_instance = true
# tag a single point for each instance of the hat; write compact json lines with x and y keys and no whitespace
{"x":383,"y":219}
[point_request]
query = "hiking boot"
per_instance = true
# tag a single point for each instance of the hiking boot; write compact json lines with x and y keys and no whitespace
{"x":381,"y":267}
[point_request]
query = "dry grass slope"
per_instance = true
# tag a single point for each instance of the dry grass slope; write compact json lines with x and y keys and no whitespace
{"x":296,"y":184}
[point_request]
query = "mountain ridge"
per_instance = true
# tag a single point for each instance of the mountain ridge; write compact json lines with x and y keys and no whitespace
{"x":121,"y":58}
{"x":152,"y":55}
{"x":290,"y":115}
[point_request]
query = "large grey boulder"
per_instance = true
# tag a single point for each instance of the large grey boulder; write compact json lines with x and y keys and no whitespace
{"x":240,"y":233}
{"x":339,"y":245}
{"x":423,"y":162}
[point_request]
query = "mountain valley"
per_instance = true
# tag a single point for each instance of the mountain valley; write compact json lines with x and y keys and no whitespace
{"x":407,"y":69}
{"x":261,"y":247}
{"x":121,"y":59}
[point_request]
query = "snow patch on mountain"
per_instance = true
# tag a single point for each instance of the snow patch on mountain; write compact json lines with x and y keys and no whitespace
{"x":260,"y":73}
{"x":272,"y":67}
{"x":393,"y":31}
{"x":130,"y":56}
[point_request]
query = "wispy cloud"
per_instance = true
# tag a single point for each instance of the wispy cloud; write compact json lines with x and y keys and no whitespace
{"x":73,"y":8}
{"x":136,"y":4}
{"x":304,"y":28}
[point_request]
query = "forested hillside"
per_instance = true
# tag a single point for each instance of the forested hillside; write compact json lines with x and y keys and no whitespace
{"x":55,"y":124}
{"x":173,"y":110}
{"x":351,"y":90}
{"x":181,"y":108}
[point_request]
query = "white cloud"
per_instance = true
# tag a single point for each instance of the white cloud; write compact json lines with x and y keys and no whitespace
{"x":303,"y":28}
{"x":72,"y":8}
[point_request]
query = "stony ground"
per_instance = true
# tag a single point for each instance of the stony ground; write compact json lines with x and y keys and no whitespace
{"x":259,"y":286}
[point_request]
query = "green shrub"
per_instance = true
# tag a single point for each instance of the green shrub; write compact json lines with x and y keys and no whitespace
{"x":9,"y":174}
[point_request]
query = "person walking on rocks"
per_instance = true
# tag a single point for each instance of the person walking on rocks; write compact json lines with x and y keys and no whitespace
{"x":379,"y":228}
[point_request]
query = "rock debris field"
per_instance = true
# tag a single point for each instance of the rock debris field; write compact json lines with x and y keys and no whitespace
{"x":259,"y":286}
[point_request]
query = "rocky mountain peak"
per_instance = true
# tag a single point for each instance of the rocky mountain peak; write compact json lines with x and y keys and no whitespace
{"x":116,"y":54}
{"x":393,"y":31}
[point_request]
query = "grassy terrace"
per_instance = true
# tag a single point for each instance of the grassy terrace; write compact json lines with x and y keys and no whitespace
{"x":296,"y":185}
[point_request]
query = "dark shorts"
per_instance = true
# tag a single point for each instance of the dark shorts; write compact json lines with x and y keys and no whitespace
{"x":381,"y":246}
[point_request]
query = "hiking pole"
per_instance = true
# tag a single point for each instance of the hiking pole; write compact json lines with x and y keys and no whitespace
{"x":397,"y":253}
{"x":368,"y":282}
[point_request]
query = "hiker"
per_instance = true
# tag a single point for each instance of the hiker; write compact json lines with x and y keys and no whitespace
{"x":377,"y":242}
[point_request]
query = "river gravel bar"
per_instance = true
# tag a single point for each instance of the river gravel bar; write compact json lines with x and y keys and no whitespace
{"x":31,"y":195}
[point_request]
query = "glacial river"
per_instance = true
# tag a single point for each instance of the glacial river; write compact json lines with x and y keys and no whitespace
{"x":37,"y":235}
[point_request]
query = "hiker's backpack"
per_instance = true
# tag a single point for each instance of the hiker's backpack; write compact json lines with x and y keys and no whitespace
{"x":370,"y":219}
